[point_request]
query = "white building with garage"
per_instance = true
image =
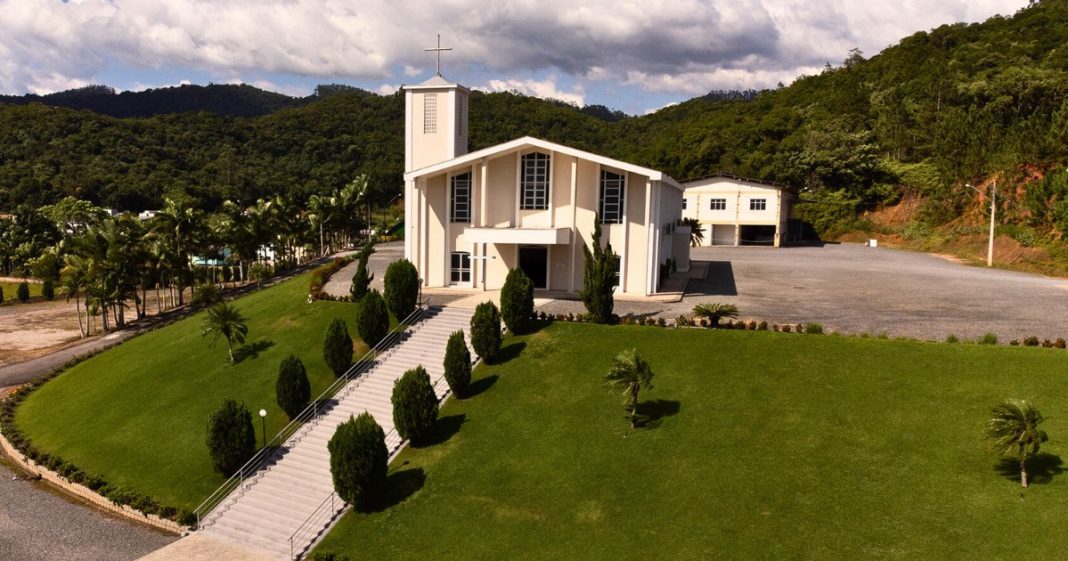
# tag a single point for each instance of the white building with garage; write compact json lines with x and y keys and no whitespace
{"x":739,"y":211}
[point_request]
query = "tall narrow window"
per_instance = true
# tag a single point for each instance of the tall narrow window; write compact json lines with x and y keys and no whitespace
{"x":758,"y":204}
{"x":460,"y":198}
{"x":534,"y":181}
{"x":461,"y":116}
{"x":430,"y":113}
{"x":611,"y":208}
{"x":460,"y":271}
{"x":684,"y":203}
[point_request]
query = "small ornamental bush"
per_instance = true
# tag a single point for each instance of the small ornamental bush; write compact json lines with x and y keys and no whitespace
{"x":206,"y":295}
{"x":1031,"y":341}
{"x":231,"y":438}
{"x":361,"y":281}
{"x":372,"y":321}
{"x":358,"y":461}
{"x":48,"y":290}
{"x":992,"y":339}
{"x":415,"y":405}
{"x":402,"y":288}
{"x":486,"y":331}
{"x":517,"y":300}
{"x":813,"y":328}
{"x":953,"y":339}
{"x":457,"y":364}
{"x":292,"y":390}
{"x":23,"y":292}
{"x":337,"y":347}
{"x":715,"y":311}
{"x":1059,"y":343}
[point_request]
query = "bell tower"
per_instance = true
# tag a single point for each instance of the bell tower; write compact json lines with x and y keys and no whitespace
{"x":435,"y":120}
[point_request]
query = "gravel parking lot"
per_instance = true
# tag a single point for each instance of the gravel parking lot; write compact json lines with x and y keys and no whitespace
{"x":36,"y":524}
{"x":856,"y":289}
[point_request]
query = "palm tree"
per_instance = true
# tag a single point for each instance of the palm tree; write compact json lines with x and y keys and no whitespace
{"x":697,"y":232}
{"x":223,"y":320}
{"x":74,"y":276}
{"x":631,"y":373}
{"x":715,"y":311}
{"x":1013,"y":431}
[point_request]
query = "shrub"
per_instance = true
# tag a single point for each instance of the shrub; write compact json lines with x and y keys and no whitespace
{"x":372,"y":320}
{"x":599,"y":278}
{"x":517,"y":300}
{"x":1047,"y":344}
{"x":762,"y":326}
{"x":402,"y":288}
{"x":1014,"y":343}
{"x":486,"y":331}
{"x":683,"y":321}
{"x":415,"y":405}
{"x":786,"y":328}
{"x":259,"y":272}
{"x":1031,"y":341}
{"x":48,"y":290}
{"x":457,"y":364}
{"x":1,"y":295}
{"x":206,"y":295}
{"x":292,"y":390}
{"x":23,"y":292}
{"x":337,"y":347}
{"x":715,"y":311}
{"x":813,"y":328}
{"x":358,"y":461}
{"x":992,"y":339}
{"x":952,"y":339}
{"x":1059,"y":343}
{"x":361,"y":281}
{"x":231,"y":438}
{"x":186,"y":518}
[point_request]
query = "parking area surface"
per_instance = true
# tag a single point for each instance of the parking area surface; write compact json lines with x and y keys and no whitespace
{"x":37,"y":524}
{"x":856,"y":289}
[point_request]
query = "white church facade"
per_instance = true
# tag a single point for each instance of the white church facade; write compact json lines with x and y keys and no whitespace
{"x":527,"y":203}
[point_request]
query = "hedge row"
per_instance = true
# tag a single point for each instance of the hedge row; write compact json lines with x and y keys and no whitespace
{"x":320,"y":275}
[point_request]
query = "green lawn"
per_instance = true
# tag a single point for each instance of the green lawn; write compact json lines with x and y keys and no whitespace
{"x":770,"y":446}
{"x":11,"y":291}
{"x":136,"y":415}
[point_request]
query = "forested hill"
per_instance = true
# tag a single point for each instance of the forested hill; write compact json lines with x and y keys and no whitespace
{"x":955,"y":104}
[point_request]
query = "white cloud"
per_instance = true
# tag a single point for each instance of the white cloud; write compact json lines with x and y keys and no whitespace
{"x":679,"y":46}
{"x":546,"y":89}
{"x":387,"y":89}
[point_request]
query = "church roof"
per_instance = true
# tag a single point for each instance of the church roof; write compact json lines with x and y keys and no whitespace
{"x":436,"y":82}
{"x":531,"y":142}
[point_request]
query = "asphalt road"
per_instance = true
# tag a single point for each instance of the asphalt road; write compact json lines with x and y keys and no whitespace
{"x":856,"y":289}
{"x":36,"y":525}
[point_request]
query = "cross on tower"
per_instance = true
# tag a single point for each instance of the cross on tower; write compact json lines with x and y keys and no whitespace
{"x":437,"y":50}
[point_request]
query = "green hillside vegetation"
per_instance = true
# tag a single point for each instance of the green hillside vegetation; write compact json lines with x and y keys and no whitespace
{"x":955,"y":104}
{"x":136,"y":415}
{"x":828,"y":448}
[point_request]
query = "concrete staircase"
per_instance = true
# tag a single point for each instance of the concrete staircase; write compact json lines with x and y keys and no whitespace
{"x":263,"y":513}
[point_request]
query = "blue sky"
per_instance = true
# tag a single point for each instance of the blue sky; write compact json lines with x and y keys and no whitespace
{"x":633,"y":55}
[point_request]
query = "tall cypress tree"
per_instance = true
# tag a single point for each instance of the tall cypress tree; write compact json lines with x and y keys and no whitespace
{"x":599,"y":277}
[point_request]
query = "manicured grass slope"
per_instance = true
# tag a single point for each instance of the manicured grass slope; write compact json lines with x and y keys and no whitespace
{"x":137,"y":414}
{"x":11,"y":291}
{"x":783,"y":447}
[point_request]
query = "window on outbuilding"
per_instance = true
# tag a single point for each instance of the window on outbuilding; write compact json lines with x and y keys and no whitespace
{"x":460,"y":191}
{"x":718,"y":204}
{"x":612,"y":193}
{"x":460,"y":270}
{"x":684,"y":203}
{"x":758,"y":204}
{"x":534,"y":181}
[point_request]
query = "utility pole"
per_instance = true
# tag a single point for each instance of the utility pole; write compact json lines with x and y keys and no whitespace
{"x":993,"y":208}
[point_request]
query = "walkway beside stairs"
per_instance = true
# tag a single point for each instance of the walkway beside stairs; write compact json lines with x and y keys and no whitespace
{"x":262,"y":514}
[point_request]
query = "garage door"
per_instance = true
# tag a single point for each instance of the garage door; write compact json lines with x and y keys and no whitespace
{"x":722,"y":234}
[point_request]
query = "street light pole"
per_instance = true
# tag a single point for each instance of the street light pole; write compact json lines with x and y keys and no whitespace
{"x":993,"y":209}
{"x":263,"y":418}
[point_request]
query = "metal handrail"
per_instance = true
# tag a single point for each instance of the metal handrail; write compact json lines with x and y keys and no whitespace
{"x":310,"y":412}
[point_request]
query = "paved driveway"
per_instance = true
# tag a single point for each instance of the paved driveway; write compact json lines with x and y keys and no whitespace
{"x":856,"y":289}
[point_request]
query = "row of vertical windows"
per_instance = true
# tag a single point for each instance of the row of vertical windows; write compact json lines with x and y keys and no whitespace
{"x":534,"y":181}
{"x":461,"y":198}
{"x":430,"y":113}
{"x":611,"y":208}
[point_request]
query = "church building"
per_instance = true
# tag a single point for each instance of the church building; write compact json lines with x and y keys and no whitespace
{"x":470,"y":217}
